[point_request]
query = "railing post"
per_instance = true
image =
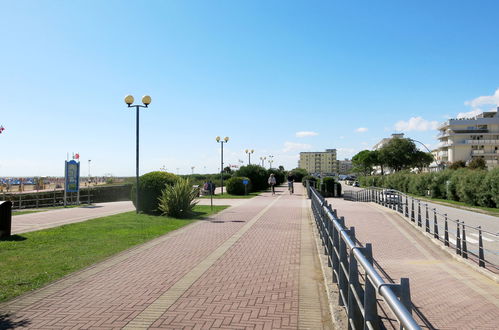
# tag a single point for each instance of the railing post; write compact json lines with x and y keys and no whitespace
{"x":406,"y":206}
{"x":446,"y":238}
{"x":419,"y":213}
{"x":481,"y":257}
{"x":427,"y":222}
{"x":336,"y":250}
{"x":465,"y":244}
{"x":370,"y":306}
{"x":435,"y":224}
{"x":343,"y":279}
{"x":405,"y":294}
{"x":458,"y":238}
{"x":354,"y":315}
{"x":413,"y":218}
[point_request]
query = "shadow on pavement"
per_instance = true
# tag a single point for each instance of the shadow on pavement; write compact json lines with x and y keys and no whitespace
{"x":7,"y":323}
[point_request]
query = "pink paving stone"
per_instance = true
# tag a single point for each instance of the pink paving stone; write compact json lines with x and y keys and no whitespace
{"x":444,"y":299}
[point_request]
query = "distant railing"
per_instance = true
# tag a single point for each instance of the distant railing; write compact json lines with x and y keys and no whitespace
{"x":468,"y":241}
{"x":358,"y":282}
{"x":47,"y":199}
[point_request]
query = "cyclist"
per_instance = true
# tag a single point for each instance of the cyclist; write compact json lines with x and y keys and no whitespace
{"x":291,"y":179}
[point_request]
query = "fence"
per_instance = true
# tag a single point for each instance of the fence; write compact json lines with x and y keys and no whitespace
{"x":352,"y":266}
{"x":430,"y":220}
{"x":56,"y":197}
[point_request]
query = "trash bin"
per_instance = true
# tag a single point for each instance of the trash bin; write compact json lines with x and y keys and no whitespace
{"x":5,"y":218}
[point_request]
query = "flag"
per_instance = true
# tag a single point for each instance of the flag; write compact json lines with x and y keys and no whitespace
{"x":2,"y":129}
{"x":77,"y":156}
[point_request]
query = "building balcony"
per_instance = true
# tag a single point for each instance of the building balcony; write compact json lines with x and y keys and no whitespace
{"x":484,"y":152}
{"x":482,"y":142}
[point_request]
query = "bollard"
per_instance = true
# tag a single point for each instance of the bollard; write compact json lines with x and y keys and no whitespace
{"x":435,"y":224}
{"x":481,"y":257}
{"x":465,"y":244}
{"x":446,"y":239}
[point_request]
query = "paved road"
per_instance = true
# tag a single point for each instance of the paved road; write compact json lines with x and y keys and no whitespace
{"x":447,"y":293}
{"x":252,"y":266}
{"x":42,"y":220}
{"x":490,"y":225}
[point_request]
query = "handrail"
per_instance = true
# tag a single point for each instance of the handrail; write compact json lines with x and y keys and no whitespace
{"x":386,"y":290}
{"x":395,"y":201}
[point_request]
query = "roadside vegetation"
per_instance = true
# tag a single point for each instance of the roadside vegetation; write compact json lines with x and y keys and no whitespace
{"x":31,"y":260}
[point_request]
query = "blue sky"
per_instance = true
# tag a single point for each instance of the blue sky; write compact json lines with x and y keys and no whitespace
{"x":350,"y":72}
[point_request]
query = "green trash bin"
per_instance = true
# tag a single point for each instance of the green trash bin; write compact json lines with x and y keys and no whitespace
{"x":5,"y":219}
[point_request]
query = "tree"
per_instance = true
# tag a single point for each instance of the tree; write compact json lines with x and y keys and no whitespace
{"x":477,"y":164}
{"x":299,"y":173}
{"x":364,"y":161}
{"x":398,"y":154}
{"x":422,"y":159}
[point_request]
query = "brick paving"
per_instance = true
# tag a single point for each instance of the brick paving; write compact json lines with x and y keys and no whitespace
{"x":449,"y":294}
{"x":241,"y":269}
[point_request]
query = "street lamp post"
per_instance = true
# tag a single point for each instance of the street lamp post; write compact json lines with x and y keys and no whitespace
{"x":225,"y":140}
{"x":146,"y":100}
{"x":249,"y":152}
{"x":263,"y":160}
{"x":89,"y":181}
{"x":192,"y":169}
{"x":271,"y":160}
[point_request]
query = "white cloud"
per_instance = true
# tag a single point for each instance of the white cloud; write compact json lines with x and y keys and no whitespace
{"x":305,"y":134}
{"x":416,"y":124}
{"x":361,"y":129}
{"x":469,"y":114}
{"x":485,"y":100}
{"x":291,"y":146}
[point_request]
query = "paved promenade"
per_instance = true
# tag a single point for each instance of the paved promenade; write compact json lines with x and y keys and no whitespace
{"x":252,"y":266}
{"x":47,"y":219}
{"x":446,"y":293}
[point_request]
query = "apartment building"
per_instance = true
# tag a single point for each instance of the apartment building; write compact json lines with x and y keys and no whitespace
{"x":468,"y":138}
{"x":323,"y":163}
{"x":344,"y":166}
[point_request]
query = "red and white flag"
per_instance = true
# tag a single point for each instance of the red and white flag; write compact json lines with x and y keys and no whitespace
{"x":2,"y":129}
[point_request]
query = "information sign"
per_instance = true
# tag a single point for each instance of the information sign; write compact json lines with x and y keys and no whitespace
{"x":72,"y":176}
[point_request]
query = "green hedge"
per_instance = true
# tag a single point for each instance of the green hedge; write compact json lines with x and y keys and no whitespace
{"x":257,"y":174}
{"x":151,"y":186}
{"x":474,"y":187}
{"x":235,"y":185}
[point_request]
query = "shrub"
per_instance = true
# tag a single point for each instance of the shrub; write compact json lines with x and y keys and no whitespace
{"x":328,"y":184}
{"x":299,"y":173}
{"x":310,"y":178}
{"x":457,"y":165}
{"x":469,"y":186}
{"x":491,"y":185}
{"x":177,"y":200}
{"x":257,"y":175}
{"x":151,"y":187}
{"x":235,"y":185}
{"x":478,"y":164}
{"x":338,"y":189}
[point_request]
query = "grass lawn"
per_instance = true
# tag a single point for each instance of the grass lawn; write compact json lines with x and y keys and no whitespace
{"x":230,"y":196}
{"x":460,"y":205}
{"x":14,"y":213}
{"x":31,"y":260}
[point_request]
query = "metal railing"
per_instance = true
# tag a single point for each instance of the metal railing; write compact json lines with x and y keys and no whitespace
{"x":468,"y":241}
{"x":352,"y":270}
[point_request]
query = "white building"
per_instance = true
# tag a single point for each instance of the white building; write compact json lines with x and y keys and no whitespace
{"x":468,"y":138}
{"x":319,"y":162}
{"x":344,"y":166}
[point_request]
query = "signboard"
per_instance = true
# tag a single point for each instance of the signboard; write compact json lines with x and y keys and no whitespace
{"x":245,"y":182}
{"x":72,"y":176}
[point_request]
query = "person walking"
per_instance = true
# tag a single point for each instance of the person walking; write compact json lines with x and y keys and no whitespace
{"x":291,"y":179}
{"x":271,"y":181}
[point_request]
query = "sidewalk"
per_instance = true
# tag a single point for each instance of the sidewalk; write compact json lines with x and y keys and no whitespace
{"x":47,"y":219}
{"x":446,"y":293}
{"x":253,"y":265}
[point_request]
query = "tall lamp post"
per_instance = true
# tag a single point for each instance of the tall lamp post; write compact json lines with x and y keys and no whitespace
{"x":271,"y":160}
{"x":225,"y":140}
{"x":263,"y":160}
{"x":249,"y":152}
{"x":146,"y":100}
